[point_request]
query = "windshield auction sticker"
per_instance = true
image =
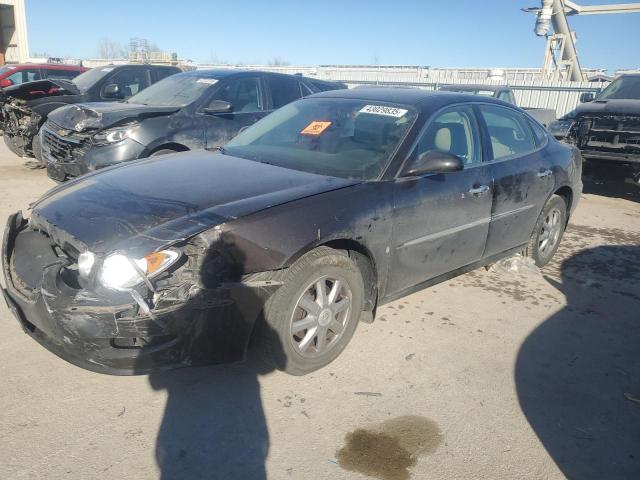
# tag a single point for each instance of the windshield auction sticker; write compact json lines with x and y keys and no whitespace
{"x":315,"y":128}
{"x":208,"y":81}
{"x":382,"y":110}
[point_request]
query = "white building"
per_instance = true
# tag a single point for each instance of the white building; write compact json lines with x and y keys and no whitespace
{"x":14,"y":47}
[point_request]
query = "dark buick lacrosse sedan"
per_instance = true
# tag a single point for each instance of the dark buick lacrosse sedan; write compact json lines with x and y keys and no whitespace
{"x":289,"y":236}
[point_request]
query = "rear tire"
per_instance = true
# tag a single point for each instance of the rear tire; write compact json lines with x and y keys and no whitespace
{"x":548,"y":231}
{"x":304,"y":328}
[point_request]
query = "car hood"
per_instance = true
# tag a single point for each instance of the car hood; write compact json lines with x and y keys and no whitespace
{"x":606,"y":107}
{"x":100,"y":115}
{"x":146,"y":205}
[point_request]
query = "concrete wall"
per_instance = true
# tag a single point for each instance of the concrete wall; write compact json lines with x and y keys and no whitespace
{"x":14,"y":45}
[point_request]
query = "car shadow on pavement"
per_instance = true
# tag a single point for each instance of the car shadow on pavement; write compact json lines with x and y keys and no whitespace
{"x":611,"y":186}
{"x":214,"y":425}
{"x":578,"y":373}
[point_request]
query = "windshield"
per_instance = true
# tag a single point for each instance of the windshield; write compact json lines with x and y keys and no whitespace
{"x":622,"y":88}
{"x":330,"y":136}
{"x":88,"y":79}
{"x":174,"y":91}
{"x":6,"y":69}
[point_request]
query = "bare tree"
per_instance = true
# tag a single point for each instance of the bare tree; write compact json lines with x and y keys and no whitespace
{"x":109,"y":49}
{"x":278,"y":62}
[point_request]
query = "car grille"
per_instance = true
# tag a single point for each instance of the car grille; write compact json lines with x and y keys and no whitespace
{"x":63,"y":148}
{"x":612,"y":132}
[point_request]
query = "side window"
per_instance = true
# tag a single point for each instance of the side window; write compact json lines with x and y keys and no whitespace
{"x":505,"y":96}
{"x":56,"y":73}
{"x":27,"y":75}
{"x":32,"y":75}
{"x":509,"y":132}
{"x":283,"y":90}
{"x":16,"y":78}
{"x":129,"y":81}
{"x":539,"y":133}
{"x":244,"y":94}
{"x":452,"y":131}
{"x":306,"y":90}
{"x":161,"y":73}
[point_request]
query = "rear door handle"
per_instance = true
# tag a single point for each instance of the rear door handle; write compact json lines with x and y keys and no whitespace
{"x":544,"y":173}
{"x":478,"y":191}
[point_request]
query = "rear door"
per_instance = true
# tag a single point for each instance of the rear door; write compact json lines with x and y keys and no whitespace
{"x":522,"y":175}
{"x":283,"y":89}
{"x":442,"y":220}
{"x":247,"y":96}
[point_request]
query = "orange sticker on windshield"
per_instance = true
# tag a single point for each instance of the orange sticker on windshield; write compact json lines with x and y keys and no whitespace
{"x":315,"y":128}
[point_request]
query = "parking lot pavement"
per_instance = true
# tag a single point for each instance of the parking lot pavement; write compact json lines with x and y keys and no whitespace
{"x":490,"y":375}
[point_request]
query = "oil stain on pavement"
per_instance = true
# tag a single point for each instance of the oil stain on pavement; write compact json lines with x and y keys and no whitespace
{"x":387,"y":451}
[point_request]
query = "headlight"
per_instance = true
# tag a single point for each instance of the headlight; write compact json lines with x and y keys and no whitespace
{"x":561,"y":128}
{"x":120,"y":272}
{"x":114,"y":135}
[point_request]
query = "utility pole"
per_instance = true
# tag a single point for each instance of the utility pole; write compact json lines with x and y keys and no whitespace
{"x":561,"y":54}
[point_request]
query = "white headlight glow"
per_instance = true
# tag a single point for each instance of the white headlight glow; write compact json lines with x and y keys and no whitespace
{"x":120,"y":272}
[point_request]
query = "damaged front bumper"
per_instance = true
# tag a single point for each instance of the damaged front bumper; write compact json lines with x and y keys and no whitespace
{"x":70,"y":154}
{"x":107,"y":332}
{"x":609,"y":138}
{"x":20,"y":126}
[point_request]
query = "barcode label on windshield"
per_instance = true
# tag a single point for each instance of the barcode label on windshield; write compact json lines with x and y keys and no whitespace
{"x":382,"y":110}
{"x":208,"y":81}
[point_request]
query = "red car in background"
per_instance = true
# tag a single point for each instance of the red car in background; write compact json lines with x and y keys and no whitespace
{"x":29,"y":72}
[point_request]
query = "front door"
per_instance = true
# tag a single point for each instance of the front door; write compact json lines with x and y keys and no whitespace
{"x":522,"y":175}
{"x":442,"y":220}
{"x":246,"y":95}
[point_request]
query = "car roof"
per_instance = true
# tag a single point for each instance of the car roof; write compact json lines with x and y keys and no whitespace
{"x":473,"y":87}
{"x":22,"y":66}
{"x":220,"y":73}
{"x":420,"y":99}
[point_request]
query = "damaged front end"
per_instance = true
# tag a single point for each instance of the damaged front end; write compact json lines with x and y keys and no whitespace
{"x":20,"y":125}
{"x":200,"y":310}
{"x":608,"y":137}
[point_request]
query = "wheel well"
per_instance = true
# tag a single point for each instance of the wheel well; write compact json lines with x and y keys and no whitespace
{"x":170,"y":146}
{"x":364,"y":260}
{"x":567,"y":194}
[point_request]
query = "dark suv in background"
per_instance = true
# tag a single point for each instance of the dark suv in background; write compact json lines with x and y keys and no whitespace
{"x":25,"y":107}
{"x":193,"y":110}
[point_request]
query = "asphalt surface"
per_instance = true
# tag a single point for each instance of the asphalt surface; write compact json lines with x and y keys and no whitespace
{"x":494,"y":375}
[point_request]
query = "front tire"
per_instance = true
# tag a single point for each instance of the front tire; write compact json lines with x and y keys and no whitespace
{"x":548,"y":231}
{"x":311,"y":318}
{"x":162,"y":151}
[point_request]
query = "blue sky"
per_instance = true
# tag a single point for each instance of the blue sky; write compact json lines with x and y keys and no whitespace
{"x":454,"y":33}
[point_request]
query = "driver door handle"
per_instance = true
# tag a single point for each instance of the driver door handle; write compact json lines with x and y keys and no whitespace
{"x":544,"y":173}
{"x":478,"y":191}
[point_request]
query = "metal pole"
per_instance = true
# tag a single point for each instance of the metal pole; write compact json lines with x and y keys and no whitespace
{"x":561,"y":26}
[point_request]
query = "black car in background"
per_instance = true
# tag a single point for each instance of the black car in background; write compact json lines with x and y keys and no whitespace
{"x":606,"y":128}
{"x":298,"y":228}
{"x":194,"y":110}
{"x":25,"y":107}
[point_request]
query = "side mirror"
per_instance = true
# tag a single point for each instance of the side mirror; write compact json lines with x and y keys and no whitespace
{"x":5,"y":82}
{"x":587,"y":97}
{"x":111,"y":91}
{"x":218,"y":106}
{"x":434,"y":161}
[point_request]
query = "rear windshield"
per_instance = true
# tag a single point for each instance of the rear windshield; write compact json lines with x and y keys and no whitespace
{"x":174,"y":91}
{"x":340,"y":137}
{"x":88,"y":79}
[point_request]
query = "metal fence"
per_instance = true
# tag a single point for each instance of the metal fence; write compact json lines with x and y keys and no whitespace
{"x":530,"y":91}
